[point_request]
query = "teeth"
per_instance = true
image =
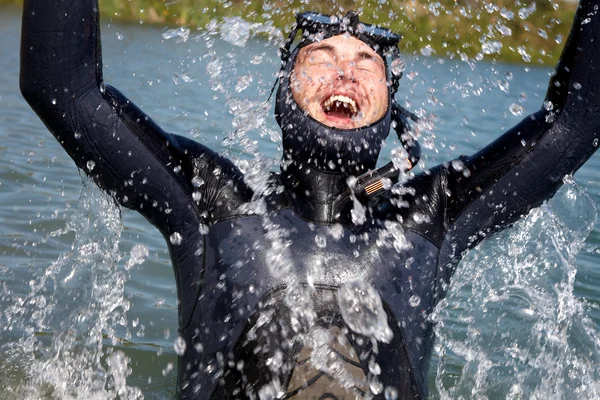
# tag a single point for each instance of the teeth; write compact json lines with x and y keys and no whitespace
{"x":340,"y":101}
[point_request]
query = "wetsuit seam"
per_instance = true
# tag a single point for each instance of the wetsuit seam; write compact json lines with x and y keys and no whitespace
{"x":432,"y":241}
{"x":200,"y":285}
{"x":238,"y":216}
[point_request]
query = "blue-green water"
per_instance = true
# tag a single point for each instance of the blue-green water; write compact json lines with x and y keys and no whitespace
{"x":521,"y":319}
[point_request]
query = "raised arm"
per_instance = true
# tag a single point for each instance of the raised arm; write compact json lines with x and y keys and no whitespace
{"x":527,"y":164}
{"x":108,"y":137}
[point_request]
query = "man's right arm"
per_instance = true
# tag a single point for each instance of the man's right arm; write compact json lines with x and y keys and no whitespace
{"x":493,"y":188}
{"x":107,"y":136}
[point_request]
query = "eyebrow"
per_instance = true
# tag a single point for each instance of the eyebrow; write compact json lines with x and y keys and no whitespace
{"x":322,"y":46}
{"x":376,"y":57}
{"x":331,"y":49}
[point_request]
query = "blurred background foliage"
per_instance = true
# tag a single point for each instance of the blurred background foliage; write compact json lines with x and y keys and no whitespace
{"x":505,"y":30}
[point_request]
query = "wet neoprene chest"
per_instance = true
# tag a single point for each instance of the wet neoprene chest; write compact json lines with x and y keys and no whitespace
{"x":243,"y":316}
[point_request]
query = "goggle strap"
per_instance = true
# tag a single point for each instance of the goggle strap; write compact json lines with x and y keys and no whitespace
{"x":285,"y":49}
{"x":412,"y":146}
{"x":285,"y":55}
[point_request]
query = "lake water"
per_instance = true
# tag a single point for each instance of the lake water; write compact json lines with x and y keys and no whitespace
{"x":80,"y":317}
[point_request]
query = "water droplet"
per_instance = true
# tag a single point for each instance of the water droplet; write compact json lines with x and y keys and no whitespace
{"x":361,"y":308}
{"x":182,"y":33}
{"x":414,"y":300}
{"x":167,"y":369}
{"x":548,"y":106}
{"x":586,"y":21}
{"x":358,"y":212}
{"x":525,"y":12}
{"x":53,"y":102}
{"x":558,"y":39}
{"x":595,"y":142}
{"x":375,"y":386}
{"x":186,"y":77}
{"x":102,"y":87}
{"x":235,"y":30}
{"x":256,"y":59}
{"x":427,"y":50}
{"x":119,"y":36}
{"x":203,"y":229}
{"x":504,"y":30}
{"x":90,"y":165}
{"x":542,"y":34}
{"x":196,"y":196}
{"x":508,"y":14}
{"x":214,"y":68}
{"x":390,"y":393}
{"x":374,"y":368}
{"x":516,"y":109}
{"x":179,"y":345}
{"x":77,"y":135}
{"x":321,"y":240}
{"x":458,"y":165}
{"x":491,"y":7}
{"x":491,"y":47}
{"x":243,"y":83}
{"x":398,"y":66}
{"x":197,"y":181}
{"x":577,"y":86}
{"x":138,"y":255}
{"x":176,"y":238}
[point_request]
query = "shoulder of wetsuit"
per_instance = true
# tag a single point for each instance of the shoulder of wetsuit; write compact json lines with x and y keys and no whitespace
{"x":215,"y":185}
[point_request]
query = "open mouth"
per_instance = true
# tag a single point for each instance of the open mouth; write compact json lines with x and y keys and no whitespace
{"x":339,"y":106}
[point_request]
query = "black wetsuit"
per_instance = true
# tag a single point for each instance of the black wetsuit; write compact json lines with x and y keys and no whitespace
{"x":228,"y":242}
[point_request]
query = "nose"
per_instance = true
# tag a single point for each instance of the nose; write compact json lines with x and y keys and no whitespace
{"x":346,"y":71}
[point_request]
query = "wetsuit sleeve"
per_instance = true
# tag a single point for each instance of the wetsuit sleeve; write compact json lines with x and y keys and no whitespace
{"x":494,"y":187}
{"x":121,"y":148}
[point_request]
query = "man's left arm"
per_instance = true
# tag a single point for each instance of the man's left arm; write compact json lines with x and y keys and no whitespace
{"x":527,"y":165}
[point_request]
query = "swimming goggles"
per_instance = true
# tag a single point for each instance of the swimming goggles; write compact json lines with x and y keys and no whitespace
{"x":316,"y":26}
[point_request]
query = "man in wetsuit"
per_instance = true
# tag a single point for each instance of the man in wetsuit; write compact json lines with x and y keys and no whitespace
{"x":313,"y":285}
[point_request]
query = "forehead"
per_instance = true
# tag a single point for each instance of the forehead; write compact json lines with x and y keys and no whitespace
{"x":342,"y":45}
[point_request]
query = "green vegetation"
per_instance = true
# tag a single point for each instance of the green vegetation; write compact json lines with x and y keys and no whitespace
{"x":504,"y":30}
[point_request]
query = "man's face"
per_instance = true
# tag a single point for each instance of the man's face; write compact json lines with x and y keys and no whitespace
{"x":340,"y":82}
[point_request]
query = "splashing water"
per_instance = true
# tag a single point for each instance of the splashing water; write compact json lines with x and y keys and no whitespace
{"x":76,"y":313}
{"x":528,"y":288}
{"x":362,"y":310}
{"x":512,"y":326}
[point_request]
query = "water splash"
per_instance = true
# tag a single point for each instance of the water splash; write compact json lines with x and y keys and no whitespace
{"x":75,"y":313}
{"x":513,"y":325}
{"x":362,"y":310}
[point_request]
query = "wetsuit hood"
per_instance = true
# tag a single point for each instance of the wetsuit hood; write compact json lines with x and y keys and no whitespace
{"x":306,"y":140}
